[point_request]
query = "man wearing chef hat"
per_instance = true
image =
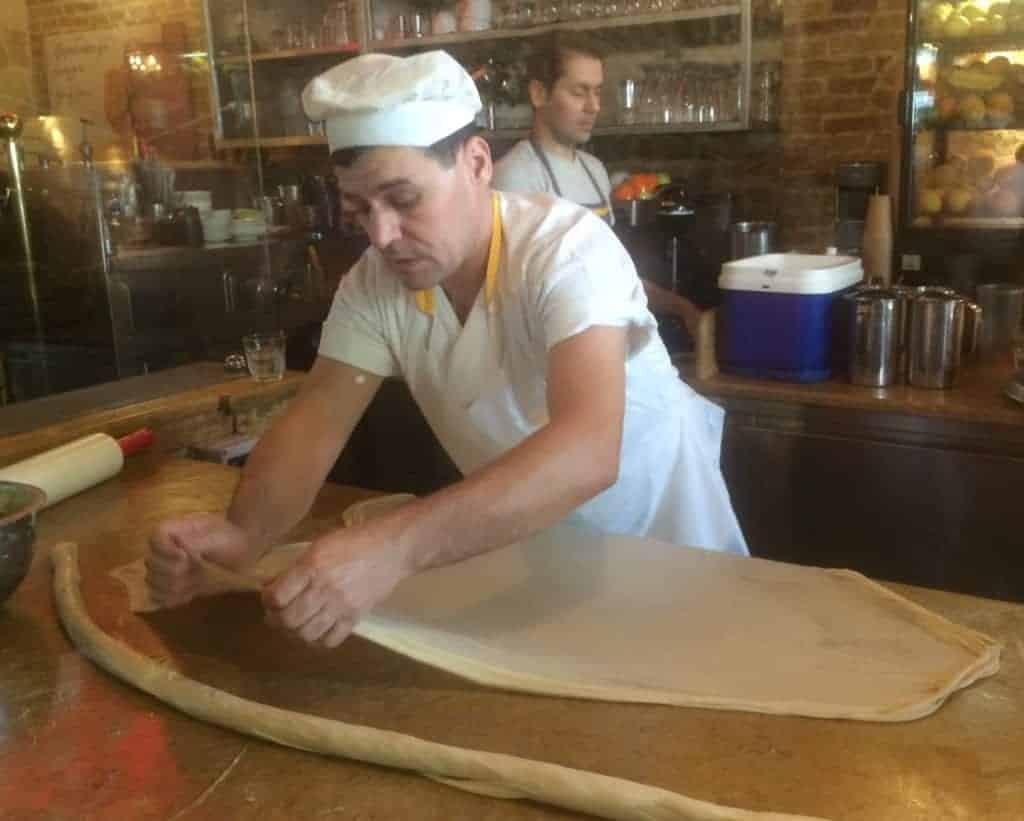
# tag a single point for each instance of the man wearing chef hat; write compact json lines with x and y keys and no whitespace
{"x":521,"y":330}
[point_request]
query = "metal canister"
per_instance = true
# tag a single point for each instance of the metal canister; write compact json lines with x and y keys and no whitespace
{"x":1003,"y":304}
{"x":751,"y":239}
{"x":936,"y":339}
{"x":877,"y":329}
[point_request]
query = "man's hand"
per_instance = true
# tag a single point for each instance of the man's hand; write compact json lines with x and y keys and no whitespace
{"x":337,"y":581}
{"x":173,"y":572}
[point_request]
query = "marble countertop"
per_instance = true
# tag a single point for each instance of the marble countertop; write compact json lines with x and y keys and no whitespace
{"x":978,"y":398}
{"x":77,"y":743}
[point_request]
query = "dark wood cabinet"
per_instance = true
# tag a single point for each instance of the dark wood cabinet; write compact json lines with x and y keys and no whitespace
{"x":900,"y":499}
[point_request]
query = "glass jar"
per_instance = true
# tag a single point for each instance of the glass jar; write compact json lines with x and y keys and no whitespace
{"x":336,"y":26}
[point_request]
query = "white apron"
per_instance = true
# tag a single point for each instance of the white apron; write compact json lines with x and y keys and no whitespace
{"x":670,"y":486}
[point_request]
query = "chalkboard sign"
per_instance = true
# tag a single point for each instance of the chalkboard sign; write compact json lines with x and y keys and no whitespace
{"x":77,"y":62}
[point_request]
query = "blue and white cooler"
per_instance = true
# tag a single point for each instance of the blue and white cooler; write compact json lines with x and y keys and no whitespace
{"x":780,"y":314}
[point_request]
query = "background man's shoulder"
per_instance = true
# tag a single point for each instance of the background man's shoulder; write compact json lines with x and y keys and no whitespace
{"x":520,"y":170}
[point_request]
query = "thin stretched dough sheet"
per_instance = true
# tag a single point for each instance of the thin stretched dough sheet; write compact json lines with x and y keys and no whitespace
{"x":580,"y":614}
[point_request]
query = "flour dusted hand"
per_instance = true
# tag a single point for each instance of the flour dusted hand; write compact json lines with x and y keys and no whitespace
{"x":173,"y":565}
{"x":335,"y":583}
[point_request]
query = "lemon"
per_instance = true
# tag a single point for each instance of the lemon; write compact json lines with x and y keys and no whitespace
{"x":957,"y":26}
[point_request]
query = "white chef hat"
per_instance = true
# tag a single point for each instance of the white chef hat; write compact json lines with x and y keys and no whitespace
{"x":379,"y":99}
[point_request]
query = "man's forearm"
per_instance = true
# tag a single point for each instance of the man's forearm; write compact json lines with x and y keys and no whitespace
{"x":279,"y":482}
{"x":531,"y":487}
{"x":287,"y":468}
{"x":562,"y":465}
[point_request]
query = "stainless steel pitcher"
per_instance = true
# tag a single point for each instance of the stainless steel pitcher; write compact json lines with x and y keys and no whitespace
{"x":878,"y":318}
{"x":937,"y":337}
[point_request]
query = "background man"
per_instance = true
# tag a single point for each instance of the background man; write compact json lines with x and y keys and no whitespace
{"x":565,"y":75}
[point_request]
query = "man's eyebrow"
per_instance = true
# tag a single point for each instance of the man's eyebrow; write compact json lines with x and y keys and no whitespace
{"x":387,"y":185}
{"x":392,"y":183}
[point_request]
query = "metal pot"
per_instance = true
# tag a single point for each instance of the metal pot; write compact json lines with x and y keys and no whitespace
{"x":751,"y":239}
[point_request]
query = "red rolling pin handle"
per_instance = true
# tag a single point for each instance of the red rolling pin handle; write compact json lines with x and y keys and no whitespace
{"x":134,"y":442}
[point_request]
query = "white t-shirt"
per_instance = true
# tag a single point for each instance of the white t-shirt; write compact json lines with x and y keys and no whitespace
{"x":482,"y":385}
{"x":521,"y":171}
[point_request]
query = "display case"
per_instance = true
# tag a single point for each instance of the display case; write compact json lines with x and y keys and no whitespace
{"x":262,"y":54}
{"x":962,"y":208}
{"x":672,"y":65}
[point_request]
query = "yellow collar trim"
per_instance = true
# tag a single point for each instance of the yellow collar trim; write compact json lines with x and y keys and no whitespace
{"x":425,"y":298}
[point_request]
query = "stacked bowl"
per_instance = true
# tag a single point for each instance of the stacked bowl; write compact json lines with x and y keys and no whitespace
{"x":248,"y":225}
{"x":216,"y":225}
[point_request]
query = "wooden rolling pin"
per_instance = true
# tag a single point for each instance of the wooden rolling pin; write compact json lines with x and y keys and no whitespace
{"x":78,"y":465}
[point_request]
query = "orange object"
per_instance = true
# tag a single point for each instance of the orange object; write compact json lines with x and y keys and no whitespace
{"x":624,"y":191}
{"x":645,"y":184}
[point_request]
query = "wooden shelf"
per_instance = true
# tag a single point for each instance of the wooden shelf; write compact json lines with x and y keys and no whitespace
{"x":269,"y":142}
{"x":968,"y":223}
{"x":1011,"y":41}
{"x":638,"y":129}
{"x":506,"y":134}
{"x":1013,"y":125}
{"x":290,"y":54}
{"x":729,"y":10}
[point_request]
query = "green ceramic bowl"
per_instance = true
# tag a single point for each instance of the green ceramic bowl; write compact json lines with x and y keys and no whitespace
{"x":18,"y":506}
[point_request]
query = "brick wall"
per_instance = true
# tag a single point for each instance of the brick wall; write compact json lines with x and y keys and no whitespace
{"x":15,"y":59}
{"x":842,"y":73}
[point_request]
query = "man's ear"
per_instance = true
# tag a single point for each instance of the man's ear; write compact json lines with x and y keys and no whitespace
{"x":538,"y":94}
{"x":476,"y":154}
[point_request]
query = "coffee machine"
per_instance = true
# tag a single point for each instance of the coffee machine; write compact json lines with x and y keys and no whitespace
{"x":856,"y":182}
{"x":679,"y":242}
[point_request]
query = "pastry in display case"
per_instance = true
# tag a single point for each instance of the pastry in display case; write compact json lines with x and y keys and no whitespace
{"x":962,"y":213}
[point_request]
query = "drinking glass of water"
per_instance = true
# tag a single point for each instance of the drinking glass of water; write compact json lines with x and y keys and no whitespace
{"x":264,"y":354}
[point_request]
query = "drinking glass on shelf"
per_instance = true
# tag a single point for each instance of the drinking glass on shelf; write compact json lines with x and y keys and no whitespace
{"x":576,"y":9}
{"x":416,"y":24}
{"x":550,"y":11}
{"x":682,"y":97}
{"x":295,"y":35}
{"x":501,"y":16}
{"x":647,"y":109}
{"x":730,"y":94}
{"x":612,"y":8}
{"x":527,"y":14}
{"x":629,"y":98}
{"x":335,"y":25}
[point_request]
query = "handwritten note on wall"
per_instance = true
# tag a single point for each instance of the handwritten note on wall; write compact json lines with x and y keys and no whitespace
{"x":77,"y":62}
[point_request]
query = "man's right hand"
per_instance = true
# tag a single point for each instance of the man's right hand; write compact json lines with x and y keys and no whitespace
{"x":173,"y":572}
